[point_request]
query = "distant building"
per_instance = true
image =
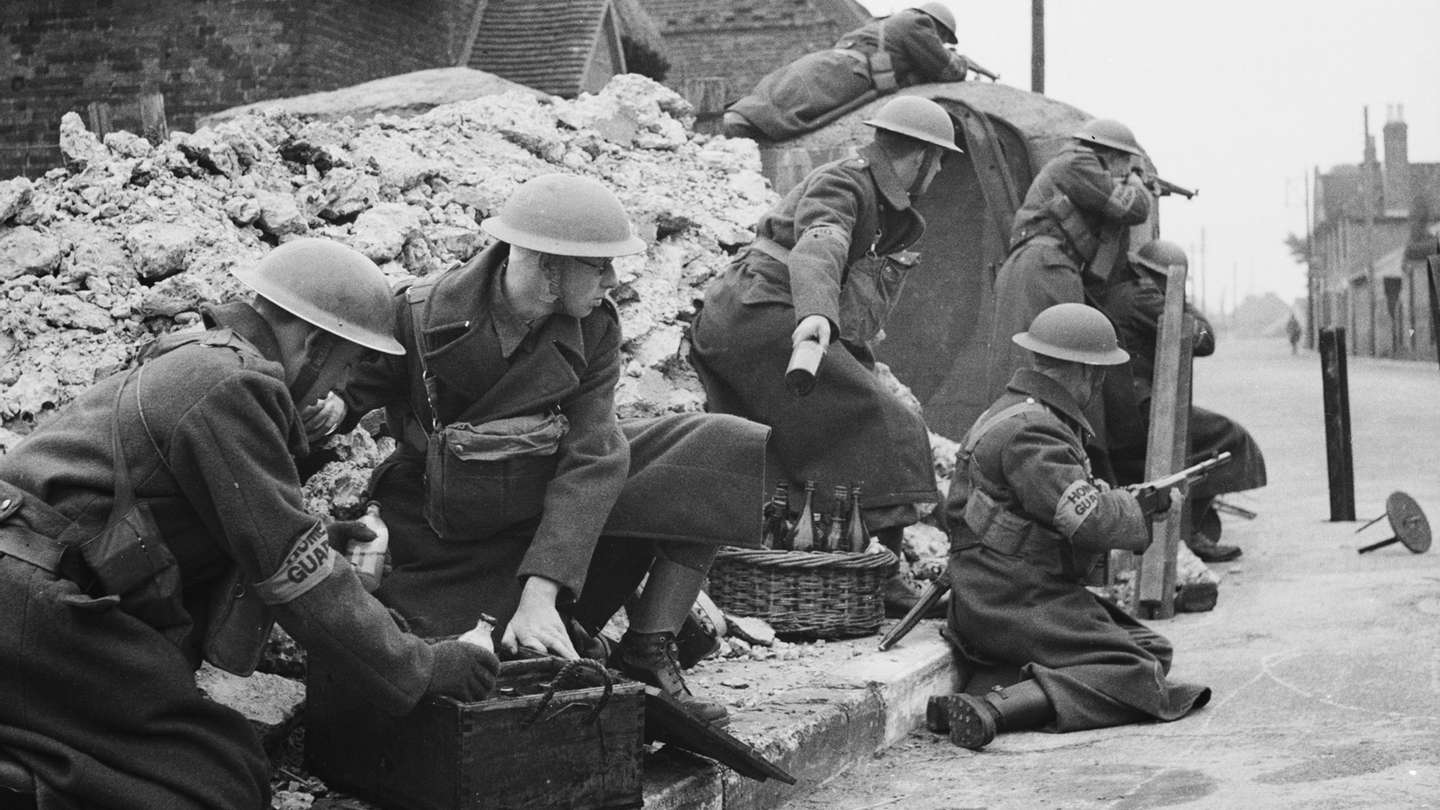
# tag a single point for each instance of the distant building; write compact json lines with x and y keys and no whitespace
{"x":719,"y":49}
{"x":1374,"y":223}
{"x":203,"y":56}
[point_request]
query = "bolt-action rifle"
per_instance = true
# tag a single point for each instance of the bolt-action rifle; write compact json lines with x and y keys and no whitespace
{"x":1159,"y":186}
{"x":940,"y":586}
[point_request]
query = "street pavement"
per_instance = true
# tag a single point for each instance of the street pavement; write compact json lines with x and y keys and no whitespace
{"x":1325,"y":663}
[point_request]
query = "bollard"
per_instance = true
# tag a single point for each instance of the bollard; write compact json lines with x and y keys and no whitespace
{"x":1337,"y":423}
{"x":1407,"y":520}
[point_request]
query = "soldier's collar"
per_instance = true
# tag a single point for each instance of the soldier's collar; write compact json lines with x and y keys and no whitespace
{"x":243,"y":320}
{"x":1032,"y":383}
{"x":886,"y":180}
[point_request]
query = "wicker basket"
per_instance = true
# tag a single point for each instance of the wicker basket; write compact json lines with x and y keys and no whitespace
{"x":813,"y":594}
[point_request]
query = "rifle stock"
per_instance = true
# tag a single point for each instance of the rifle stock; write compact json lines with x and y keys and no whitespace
{"x":933,"y":593}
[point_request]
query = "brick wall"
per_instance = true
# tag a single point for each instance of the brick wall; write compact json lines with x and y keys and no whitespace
{"x":741,"y":40}
{"x":203,"y":55}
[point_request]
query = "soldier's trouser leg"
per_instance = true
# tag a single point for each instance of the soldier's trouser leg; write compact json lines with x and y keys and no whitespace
{"x":648,"y":652}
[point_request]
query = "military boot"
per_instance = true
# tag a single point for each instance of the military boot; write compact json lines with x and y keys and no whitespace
{"x":972,"y":722}
{"x":652,"y":658}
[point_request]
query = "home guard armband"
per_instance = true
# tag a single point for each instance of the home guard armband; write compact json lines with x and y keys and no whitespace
{"x":1076,"y":503}
{"x":309,"y":562}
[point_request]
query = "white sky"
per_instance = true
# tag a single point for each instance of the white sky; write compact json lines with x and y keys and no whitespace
{"x":1238,"y":99}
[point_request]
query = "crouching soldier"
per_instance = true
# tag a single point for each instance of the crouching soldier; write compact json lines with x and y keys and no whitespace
{"x":514,"y":490}
{"x":1027,"y":520}
{"x":158,"y":520}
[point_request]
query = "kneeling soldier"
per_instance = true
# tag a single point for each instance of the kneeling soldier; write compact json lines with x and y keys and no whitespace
{"x":1027,"y":521}
{"x":158,"y":520}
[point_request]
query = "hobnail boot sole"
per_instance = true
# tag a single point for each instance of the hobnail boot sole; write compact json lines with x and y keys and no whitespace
{"x":972,"y":723}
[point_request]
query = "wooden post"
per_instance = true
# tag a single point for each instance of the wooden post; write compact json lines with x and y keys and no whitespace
{"x":1338,"y":456}
{"x":1167,"y":448}
{"x":1432,"y":279}
{"x":152,"y":117}
{"x":97,"y":115}
{"x":707,"y":94}
{"x":1037,"y":46}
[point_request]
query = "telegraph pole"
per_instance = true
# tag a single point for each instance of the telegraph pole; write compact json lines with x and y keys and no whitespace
{"x":1037,"y":46}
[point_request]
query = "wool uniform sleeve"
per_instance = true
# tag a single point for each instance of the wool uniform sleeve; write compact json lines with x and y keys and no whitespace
{"x":824,"y":221}
{"x":1087,"y":183}
{"x":1050,"y":479}
{"x":914,"y":37}
{"x":232,"y":456}
{"x":593,"y":466}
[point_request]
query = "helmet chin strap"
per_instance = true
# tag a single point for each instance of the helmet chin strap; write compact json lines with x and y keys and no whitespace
{"x":317,"y":352}
{"x":926,"y":162}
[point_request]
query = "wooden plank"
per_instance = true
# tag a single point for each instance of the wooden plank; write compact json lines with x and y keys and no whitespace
{"x":152,"y":118}
{"x":1166,"y":448}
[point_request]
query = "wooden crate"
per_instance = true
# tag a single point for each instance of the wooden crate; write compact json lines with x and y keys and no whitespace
{"x":503,"y":753}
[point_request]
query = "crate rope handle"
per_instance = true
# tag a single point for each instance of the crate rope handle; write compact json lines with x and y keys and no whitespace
{"x":568,"y":672}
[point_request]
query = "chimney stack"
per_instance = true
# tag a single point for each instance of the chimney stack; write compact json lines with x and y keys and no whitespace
{"x":1397,"y":160}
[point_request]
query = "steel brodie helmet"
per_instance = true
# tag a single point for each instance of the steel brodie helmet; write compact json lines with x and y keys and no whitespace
{"x":1159,"y":256}
{"x":918,"y":118}
{"x":940,"y":13}
{"x":330,"y":286}
{"x":1111,"y":133}
{"x":1073,"y":332}
{"x":564,"y":215}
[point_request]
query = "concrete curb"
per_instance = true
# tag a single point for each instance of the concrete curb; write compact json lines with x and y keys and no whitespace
{"x":815,"y":732}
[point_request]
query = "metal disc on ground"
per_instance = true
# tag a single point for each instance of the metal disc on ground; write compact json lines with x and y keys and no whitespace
{"x":1408,"y":521}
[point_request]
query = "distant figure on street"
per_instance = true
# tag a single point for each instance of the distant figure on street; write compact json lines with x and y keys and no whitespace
{"x":1027,"y":520}
{"x":1292,"y":331}
{"x":1134,"y":301}
{"x":904,"y":49}
{"x":826,"y":266}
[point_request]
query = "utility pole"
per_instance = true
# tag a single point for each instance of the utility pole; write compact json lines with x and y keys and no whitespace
{"x":1037,"y":46}
{"x":1311,"y":304}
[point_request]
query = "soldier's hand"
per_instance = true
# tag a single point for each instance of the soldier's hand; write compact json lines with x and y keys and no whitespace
{"x":323,"y":416}
{"x":1153,"y":501}
{"x":342,"y":533}
{"x":536,"y":625}
{"x":462,"y":671}
{"x":812,"y":327}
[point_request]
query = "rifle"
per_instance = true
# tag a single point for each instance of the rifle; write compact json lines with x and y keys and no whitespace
{"x":933,"y":593}
{"x":1159,"y":186}
{"x":973,"y":66}
{"x":1192,"y":473}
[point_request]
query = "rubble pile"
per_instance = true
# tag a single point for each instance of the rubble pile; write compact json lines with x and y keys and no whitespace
{"x":130,"y":239}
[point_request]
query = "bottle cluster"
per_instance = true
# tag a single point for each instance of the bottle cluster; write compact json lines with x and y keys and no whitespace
{"x":840,"y":529}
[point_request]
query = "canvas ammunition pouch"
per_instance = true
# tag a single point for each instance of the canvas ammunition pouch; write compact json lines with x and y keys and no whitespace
{"x":1062,"y":221}
{"x":480,"y":477}
{"x":879,"y":65}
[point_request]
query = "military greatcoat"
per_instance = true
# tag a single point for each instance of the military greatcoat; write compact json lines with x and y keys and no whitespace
{"x":1073,"y":202}
{"x":797,"y":97}
{"x":1027,"y":520}
{"x":97,"y":694}
{"x":828,"y":248}
{"x":637,"y":481}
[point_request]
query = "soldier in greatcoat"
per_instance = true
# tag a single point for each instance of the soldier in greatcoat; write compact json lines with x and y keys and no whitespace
{"x":514,"y":491}
{"x":826,"y":265}
{"x":158,"y":521}
{"x":1027,"y":520}
{"x":901,"y":50}
{"x":1134,"y":301}
{"x":1073,"y":220}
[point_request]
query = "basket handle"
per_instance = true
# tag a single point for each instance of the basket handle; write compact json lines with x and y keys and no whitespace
{"x":568,"y":673}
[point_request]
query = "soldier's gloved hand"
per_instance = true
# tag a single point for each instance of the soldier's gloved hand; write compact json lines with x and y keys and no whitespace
{"x":1153,"y":501}
{"x":342,"y":533}
{"x":462,"y":671}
